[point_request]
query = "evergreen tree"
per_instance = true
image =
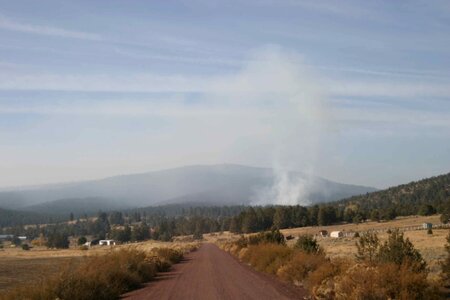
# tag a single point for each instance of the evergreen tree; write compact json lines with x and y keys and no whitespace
{"x":280,"y":218}
{"x":398,"y":250}
{"x":368,"y":246}
{"x":326,"y":215}
{"x":308,"y":244}
{"x":57,"y":240}
{"x":116,"y":218}
{"x":250,"y":221}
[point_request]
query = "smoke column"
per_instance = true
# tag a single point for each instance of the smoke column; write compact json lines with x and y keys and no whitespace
{"x":295,"y":117}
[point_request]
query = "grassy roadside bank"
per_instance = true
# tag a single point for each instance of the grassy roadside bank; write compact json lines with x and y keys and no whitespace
{"x":306,"y":264}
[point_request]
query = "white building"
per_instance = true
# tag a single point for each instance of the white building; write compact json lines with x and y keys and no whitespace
{"x":107,"y":242}
{"x":336,"y":234}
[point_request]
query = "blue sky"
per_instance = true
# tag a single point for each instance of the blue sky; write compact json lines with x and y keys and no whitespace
{"x":353,"y":91}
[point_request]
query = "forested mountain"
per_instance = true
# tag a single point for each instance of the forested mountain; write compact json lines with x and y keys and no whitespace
{"x":13,"y":218}
{"x":199,"y":185}
{"x":406,"y":199}
{"x":78,"y":206}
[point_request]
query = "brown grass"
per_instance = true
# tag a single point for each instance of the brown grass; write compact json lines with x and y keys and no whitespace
{"x":299,"y":267}
{"x":19,"y":267}
{"x":97,"y":277}
{"x":267,"y":257}
{"x":17,"y":272}
{"x":430,"y":246}
{"x":336,"y":274}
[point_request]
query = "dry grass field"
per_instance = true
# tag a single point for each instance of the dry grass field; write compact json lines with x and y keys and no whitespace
{"x":19,"y":267}
{"x":430,"y":246}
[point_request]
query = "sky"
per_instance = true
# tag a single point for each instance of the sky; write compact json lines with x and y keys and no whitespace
{"x":354,"y":91}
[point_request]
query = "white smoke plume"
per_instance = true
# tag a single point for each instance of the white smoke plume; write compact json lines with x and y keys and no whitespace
{"x":294,"y":121}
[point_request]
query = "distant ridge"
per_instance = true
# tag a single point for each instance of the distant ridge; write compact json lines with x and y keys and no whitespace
{"x":207,"y":184}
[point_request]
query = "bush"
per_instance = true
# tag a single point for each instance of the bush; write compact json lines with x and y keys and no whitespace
{"x":267,"y":257}
{"x":197,"y":235}
{"x":25,"y":247}
{"x":446,"y":264}
{"x":383,"y":281}
{"x":307,"y":243}
{"x":82,"y":240}
{"x":300,"y":266}
{"x":16,"y":241}
{"x":169,"y":255}
{"x":320,"y":282}
{"x":273,"y":237}
{"x":445,"y":217}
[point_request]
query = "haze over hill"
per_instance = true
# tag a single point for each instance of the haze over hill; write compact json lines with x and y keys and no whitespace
{"x":206,"y":185}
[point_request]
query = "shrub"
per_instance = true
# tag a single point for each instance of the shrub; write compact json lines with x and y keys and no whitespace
{"x":446,"y":264}
{"x":267,"y":257}
{"x":16,"y":241}
{"x":273,"y":237}
{"x":307,"y":243}
{"x":197,"y":235}
{"x":81,"y":240}
{"x":429,"y":231}
{"x":320,"y":282}
{"x":383,"y":281}
{"x":300,"y":266}
{"x":445,"y":217}
{"x":169,"y":255}
{"x":25,"y":247}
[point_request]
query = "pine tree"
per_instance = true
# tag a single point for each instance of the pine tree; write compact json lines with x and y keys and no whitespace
{"x":398,"y":250}
{"x":249,"y":223}
{"x":308,"y":244}
{"x":368,"y":246}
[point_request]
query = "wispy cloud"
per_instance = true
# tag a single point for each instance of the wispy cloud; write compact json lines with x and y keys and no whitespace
{"x":152,"y":82}
{"x":389,"y":89}
{"x":8,"y":24}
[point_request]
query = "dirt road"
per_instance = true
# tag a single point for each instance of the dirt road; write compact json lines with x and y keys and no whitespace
{"x":210,"y":273}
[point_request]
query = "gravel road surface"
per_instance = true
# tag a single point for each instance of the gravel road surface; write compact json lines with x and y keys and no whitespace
{"x":211,"y":273}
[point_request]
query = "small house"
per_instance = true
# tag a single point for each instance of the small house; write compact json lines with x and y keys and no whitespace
{"x":22,"y":238}
{"x":323,"y":233}
{"x":106,"y":242}
{"x":427,"y":226}
{"x":336,"y":234}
